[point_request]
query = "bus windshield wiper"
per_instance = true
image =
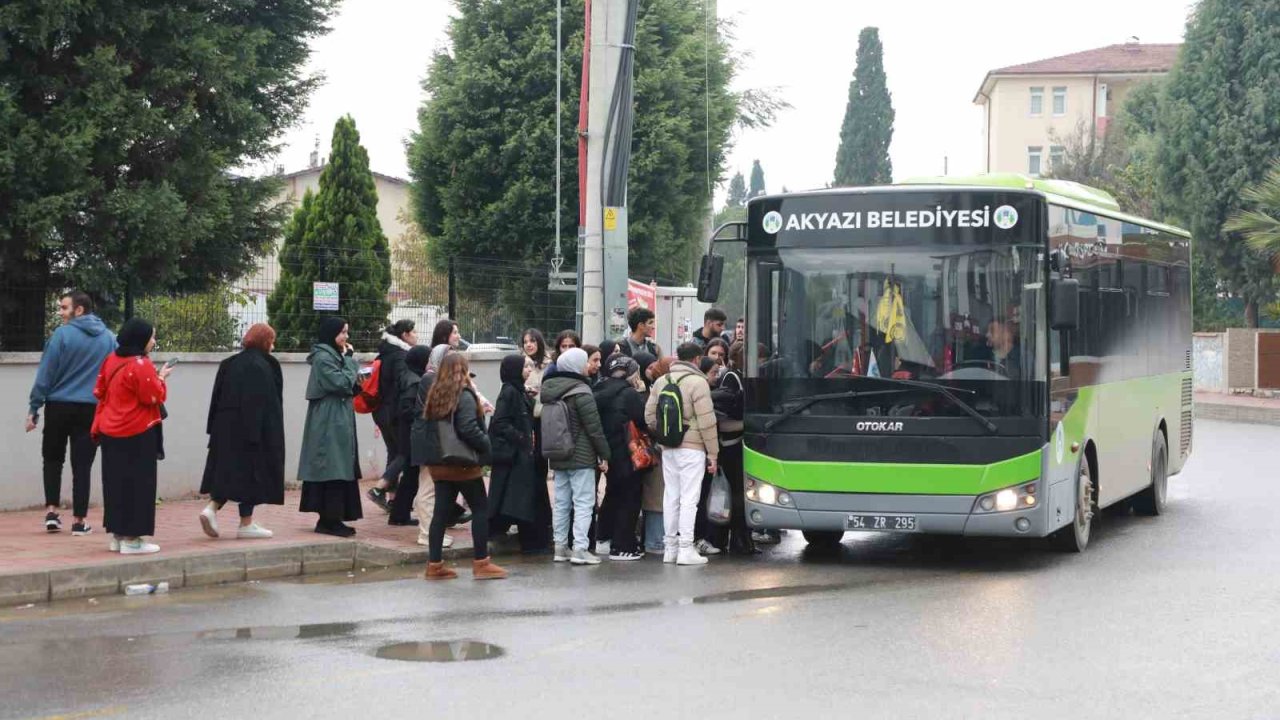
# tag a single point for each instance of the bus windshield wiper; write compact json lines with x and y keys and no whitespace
{"x":806,"y":401}
{"x":949,"y":394}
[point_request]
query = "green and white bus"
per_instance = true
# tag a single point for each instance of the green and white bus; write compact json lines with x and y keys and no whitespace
{"x":988,"y":356}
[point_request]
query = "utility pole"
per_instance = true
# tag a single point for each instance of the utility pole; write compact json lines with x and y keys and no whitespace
{"x":603,"y":261}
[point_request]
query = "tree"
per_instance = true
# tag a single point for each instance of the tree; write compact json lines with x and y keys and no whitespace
{"x":201,"y":322}
{"x":1218,"y":134}
{"x":335,"y":237}
{"x":863,"y":157}
{"x":757,"y":180}
{"x":737,"y":191}
{"x":480,"y":158}
{"x":124,"y":122}
{"x":1259,"y":221}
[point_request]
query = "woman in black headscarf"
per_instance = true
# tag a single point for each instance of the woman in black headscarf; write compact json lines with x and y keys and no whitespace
{"x":415,"y":366}
{"x":330,"y":464}
{"x":126,"y":424}
{"x":515,"y":495}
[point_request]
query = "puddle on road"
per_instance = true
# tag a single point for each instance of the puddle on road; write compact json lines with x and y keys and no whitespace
{"x":439,"y":651}
{"x":282,"y":632}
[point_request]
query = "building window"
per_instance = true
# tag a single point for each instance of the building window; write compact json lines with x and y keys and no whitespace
{"x":1037,"y":101}
{"x":1057,"y":155}
{"x":1033,"y":159}
{"x":1059,"y":101}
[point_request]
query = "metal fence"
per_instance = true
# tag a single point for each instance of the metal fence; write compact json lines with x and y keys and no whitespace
{"x":492,"y":300}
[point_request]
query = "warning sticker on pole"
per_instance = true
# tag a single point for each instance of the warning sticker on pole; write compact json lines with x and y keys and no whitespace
{"x":610,"y":218}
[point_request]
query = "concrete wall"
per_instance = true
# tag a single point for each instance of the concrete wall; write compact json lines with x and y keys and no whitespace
{"x":184,"y":431}
{"x":1208,"y":352}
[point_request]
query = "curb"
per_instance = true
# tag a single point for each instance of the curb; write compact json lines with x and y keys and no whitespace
{"x":1237,"y":413}
{"x":208,"y":569}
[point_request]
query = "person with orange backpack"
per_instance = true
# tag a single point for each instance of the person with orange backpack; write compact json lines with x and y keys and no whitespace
{"x":381,"y":399}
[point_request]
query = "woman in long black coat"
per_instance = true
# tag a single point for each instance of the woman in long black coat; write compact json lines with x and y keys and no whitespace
{"x":515,"y":495}
{"x":246,"y":435}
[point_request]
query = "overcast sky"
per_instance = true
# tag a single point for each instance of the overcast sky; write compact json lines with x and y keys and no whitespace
{"x":936,"y":54}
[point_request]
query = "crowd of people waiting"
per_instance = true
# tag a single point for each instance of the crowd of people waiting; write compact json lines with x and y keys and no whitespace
{"x":656,"y":429}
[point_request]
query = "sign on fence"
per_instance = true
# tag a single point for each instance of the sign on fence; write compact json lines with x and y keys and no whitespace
{"x":324,"y":296}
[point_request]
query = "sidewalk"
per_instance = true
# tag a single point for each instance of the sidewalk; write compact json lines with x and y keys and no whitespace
{"x":37,"y":566}
{"x":1237,"y":408}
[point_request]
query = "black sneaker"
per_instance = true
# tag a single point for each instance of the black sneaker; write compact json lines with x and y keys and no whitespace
{"x":462,"y":519}
{"x":379,"y":497}
{"x":81,"y":528}
{"x":52,"y":523}
{"x":411,"y":522}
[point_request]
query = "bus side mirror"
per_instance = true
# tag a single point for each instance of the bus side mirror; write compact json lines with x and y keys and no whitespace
{"x":709,"y":273}
{"x":1065,"y":308}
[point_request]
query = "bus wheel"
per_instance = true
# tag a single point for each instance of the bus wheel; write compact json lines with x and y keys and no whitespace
{"x":1075,"y":537}
{"x":1151,"y":501}
{"x":823,"y":538}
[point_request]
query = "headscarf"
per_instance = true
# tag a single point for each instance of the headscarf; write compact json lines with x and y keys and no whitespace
{"x":512,"y":370}
{"x":623,"y":367}
{"x":437,"y":356}
{"x":608,"y":348}
{"x":330,"y":327}
{"x":416,"y":359}
{"x":644,"y":359}
{"x":133,"y":337}
{"x":573,"y":360}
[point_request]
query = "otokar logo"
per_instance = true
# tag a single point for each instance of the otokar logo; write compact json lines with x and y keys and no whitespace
{"x":1005,"y":217}
{"x":772,"y":222}
{"x":879,"y":426}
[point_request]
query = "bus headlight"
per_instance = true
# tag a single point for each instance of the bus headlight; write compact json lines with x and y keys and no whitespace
{"x":1019,"y":497}
{"x":766,"y":494}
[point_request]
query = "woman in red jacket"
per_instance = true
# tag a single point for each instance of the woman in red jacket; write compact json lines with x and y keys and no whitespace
{"x":127,"y":425}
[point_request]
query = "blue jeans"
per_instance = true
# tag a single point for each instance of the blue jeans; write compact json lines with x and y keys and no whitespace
{"x":576,"y":489}
{"x":653,"y":530}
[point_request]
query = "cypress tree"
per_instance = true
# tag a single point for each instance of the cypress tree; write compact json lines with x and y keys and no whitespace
{"x":1218,"y":134}
{"x":335,"y":237}
{"x":737,"y":192}
{"x":863,"y":157}
{"x":757,"y":180}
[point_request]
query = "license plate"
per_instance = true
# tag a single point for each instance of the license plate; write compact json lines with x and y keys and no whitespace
{"x":881,"y":523}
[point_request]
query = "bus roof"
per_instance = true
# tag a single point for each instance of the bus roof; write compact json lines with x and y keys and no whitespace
{"x":1059,"y":192}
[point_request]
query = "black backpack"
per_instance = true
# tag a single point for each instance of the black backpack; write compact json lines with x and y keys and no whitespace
{"x":671,"y":425}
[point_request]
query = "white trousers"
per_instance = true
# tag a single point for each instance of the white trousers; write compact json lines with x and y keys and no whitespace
{"x":682,"y":471}
{"x":424,"y":504}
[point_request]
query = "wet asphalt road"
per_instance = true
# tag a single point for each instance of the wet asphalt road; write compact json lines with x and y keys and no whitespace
{"x":1171,"y":617}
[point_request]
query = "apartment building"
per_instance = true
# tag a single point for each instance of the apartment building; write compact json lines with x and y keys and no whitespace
{"x":1028,"y":109}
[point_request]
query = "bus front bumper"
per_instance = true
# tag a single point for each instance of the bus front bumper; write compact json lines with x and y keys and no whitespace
{"x":933,"y":514}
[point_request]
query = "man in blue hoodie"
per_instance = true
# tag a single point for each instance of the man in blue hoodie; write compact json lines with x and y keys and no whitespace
{"x":64,"y":387}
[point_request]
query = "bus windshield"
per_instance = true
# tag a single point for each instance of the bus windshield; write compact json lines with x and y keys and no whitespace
{"x":963,"y":317}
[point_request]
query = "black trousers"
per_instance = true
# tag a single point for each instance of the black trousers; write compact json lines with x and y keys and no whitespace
{"x":702,"y":528}
{"x":627,"y":494}
{"x":739,"y":534}
{"x":246,"y":509}
{"x":446,"y":497}
{"x":391,"y":438}
{"x":65,"y":423}
{"x":129,"y":483}
{"x":407,"y":490}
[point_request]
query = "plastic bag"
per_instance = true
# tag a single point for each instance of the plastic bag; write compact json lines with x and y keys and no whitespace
{"x":719,"y":508}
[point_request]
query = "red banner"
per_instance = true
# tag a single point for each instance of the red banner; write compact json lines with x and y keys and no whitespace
{"x":642,"y":295}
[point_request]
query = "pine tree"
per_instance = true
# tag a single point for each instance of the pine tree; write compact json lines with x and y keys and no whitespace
{"x":335,"y":237}
{"x":757,"y":180}
{"x":737,"y":192}
{"x":1218,"y":135}
{"x":125,"y":123}
{"x":863,"y":157}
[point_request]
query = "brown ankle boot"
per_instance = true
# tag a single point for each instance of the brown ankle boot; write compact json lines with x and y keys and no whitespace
{"x":486,"y":570}
{"x":439,"y":571}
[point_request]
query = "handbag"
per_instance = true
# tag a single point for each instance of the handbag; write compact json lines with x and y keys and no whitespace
{"x":643,"y":455}
{"x":453,"y":450}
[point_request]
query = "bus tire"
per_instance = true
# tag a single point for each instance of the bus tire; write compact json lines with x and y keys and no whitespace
{"x":1074,"y":538}
{"x":1151,"y":501}
{"x":823,"y":538}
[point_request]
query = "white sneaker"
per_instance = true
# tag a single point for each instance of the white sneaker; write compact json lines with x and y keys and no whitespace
{"x":706,"y":548}
{"x":209,"y":520}
{"x":253,"y":531}
{"x":583,"y":557}
{"x":562,"y":553}
{"x":689,"y":556}
{"x":114,"y":544}
{"x":138,"y":547}
{"x":448,"y":541}
{"x":670,"y":554}
{"x":603,"y":547}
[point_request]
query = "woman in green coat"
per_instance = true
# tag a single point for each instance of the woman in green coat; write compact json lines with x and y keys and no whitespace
{"x":330,"y":467}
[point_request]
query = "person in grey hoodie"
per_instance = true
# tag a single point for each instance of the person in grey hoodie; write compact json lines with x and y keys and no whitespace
{"x":64,"y":388}
{"x":576,"y":476}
